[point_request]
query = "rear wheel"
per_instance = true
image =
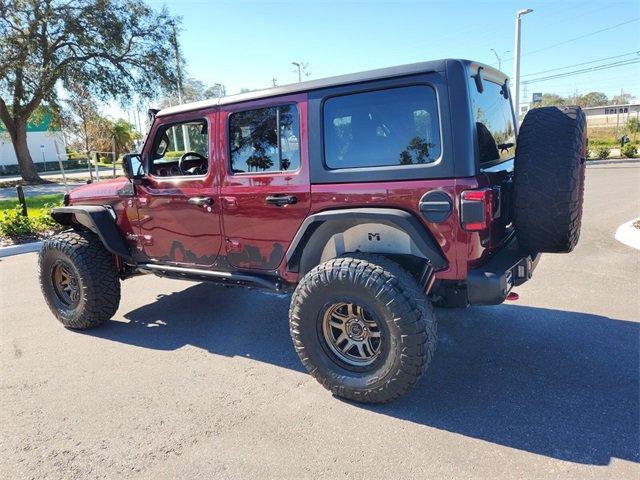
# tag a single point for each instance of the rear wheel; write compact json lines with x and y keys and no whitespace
{"x":79,"y":280}
{"x":362,"y":327}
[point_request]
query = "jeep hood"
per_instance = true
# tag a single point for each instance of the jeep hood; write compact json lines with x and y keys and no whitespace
{"x":100,"y":190}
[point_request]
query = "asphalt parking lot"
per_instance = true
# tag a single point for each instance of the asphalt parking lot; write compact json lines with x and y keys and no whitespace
{"x":196,"y":381}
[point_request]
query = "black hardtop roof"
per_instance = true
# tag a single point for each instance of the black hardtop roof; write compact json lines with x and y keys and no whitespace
{"x":378,"y":74}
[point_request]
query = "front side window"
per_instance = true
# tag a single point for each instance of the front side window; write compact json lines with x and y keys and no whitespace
{"x":494,"y":122}
{"x":397,"y":126}
{"x":180,"y":149}
{"x":265,"y":140}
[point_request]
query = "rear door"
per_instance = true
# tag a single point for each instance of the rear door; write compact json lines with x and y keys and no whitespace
{"x":496,"y":147}
{"x":265,"y":191}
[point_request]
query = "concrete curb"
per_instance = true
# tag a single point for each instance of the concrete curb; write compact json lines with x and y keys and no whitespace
{"x":20,"y":249}
{"x":629,"y":235}
{"x":612,"y":161}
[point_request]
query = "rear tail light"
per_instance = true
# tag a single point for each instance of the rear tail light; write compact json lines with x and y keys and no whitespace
{"x":475,"y":209}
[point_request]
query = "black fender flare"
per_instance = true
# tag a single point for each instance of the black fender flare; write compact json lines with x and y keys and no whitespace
{"x":305,"y":251}
{"x":99,"y":220}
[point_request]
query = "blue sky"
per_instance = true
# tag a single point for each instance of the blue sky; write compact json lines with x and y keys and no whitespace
{"x":244,"y":44}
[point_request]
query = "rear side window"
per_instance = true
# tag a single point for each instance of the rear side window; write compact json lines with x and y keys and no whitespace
{"x":397,"y":126}
{"x":265,"y":140}
{"x":494,"y":122}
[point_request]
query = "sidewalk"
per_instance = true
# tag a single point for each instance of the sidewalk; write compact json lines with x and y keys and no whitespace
{"x":57,"y":174}
{"x":34,"y":190}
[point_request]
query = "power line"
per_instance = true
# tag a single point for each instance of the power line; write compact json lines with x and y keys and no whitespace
{"x":581,"y":37}
{"x":606,"y":66}
{"x":576,"y":38}
{"x":580,"y":64}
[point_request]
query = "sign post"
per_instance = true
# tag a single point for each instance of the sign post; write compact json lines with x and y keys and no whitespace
{"x":64,"y":176}
{"x":44,"y":162}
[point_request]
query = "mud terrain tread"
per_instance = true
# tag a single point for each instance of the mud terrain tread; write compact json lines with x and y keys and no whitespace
{"x":100,"y":282}
{"x":412,"y":314}
{"x":549,"y":179}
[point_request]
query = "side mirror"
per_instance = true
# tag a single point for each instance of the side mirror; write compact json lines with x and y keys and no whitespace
{"x":132,"y":166}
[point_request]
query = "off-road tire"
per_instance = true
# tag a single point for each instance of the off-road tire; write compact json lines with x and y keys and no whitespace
{"x":382,"y":286}
{"x":99,"y":285}
{"x":549,"y":179}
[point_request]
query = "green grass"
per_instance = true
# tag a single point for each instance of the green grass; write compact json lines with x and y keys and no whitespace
{"x":34,"y":204}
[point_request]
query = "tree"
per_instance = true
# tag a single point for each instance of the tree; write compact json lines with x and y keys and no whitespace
{"x":622,"y":99}
{"x":89,"y":131}
{"x":124,"y":136}
{"x":112,"y":48}
{"x":192,"y":91}
{"x":593,"y":99}
{"x":551,"y":99}
{"x":633,"y":125}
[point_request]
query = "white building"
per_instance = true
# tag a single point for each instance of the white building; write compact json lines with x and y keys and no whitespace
{"x":611,"y":115}
{"x":42,"y":144}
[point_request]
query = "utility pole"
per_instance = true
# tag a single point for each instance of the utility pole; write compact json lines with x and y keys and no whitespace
{"x":176,"y":51}
{"x":516,"y":63}
{"x":499,"y":58}
{"x":299,"y":70}
{"x":274,"y":80}
{"x":221,"y":89}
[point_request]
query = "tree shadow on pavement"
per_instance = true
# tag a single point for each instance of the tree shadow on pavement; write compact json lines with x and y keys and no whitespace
{"x":555,"y":383}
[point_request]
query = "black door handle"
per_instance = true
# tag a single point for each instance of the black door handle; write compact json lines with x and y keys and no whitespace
{"x":281,"y":201}
{"x":200,"y":201}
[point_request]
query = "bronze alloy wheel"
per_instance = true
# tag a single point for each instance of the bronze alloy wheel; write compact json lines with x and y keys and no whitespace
{"x":65,"y":284}
{"x":351,"y":334}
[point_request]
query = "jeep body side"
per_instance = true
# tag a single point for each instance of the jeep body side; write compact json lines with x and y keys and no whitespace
{"x":239,"y":200}
{"x":299,"y":188}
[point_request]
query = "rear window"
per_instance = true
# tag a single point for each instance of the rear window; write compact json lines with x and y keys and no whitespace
{"x":397,"y":126}
{"x":494,"y":122}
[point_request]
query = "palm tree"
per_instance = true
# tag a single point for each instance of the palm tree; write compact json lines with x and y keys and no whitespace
{"x":124,"y":136}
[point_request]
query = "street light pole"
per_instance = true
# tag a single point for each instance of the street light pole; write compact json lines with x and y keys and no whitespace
{"x":499,"y":58}
{"x":299,"y":71}
{"x":516,"y":65}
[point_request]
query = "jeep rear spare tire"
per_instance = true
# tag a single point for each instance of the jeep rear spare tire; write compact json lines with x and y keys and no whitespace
{"x":362,"y":327}
{"x":549,"y":179}
{"x":79,"y":279}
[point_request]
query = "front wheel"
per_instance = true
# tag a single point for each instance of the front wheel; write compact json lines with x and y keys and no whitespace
{"x":362,"y":327}
{"x":79,"y":279}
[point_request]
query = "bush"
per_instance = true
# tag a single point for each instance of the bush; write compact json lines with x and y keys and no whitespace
{"x":602,"y":152}
{"x":14,"y":224}
{"x":629,"y":151}
{"x":43,"y":221}
{"x":174,"y":153}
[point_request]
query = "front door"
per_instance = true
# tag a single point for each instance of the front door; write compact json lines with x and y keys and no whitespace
{"x":265,"y":191}
{"x":178,"y":201}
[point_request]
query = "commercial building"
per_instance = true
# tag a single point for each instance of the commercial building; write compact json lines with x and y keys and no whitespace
{"x":611,"y":115}
{"x":42,"y":140}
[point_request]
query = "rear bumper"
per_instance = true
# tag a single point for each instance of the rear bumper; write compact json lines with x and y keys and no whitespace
{"x":490,"y":283}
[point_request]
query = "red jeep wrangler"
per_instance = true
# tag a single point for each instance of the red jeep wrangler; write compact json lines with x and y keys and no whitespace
{"x":370,"y":196}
